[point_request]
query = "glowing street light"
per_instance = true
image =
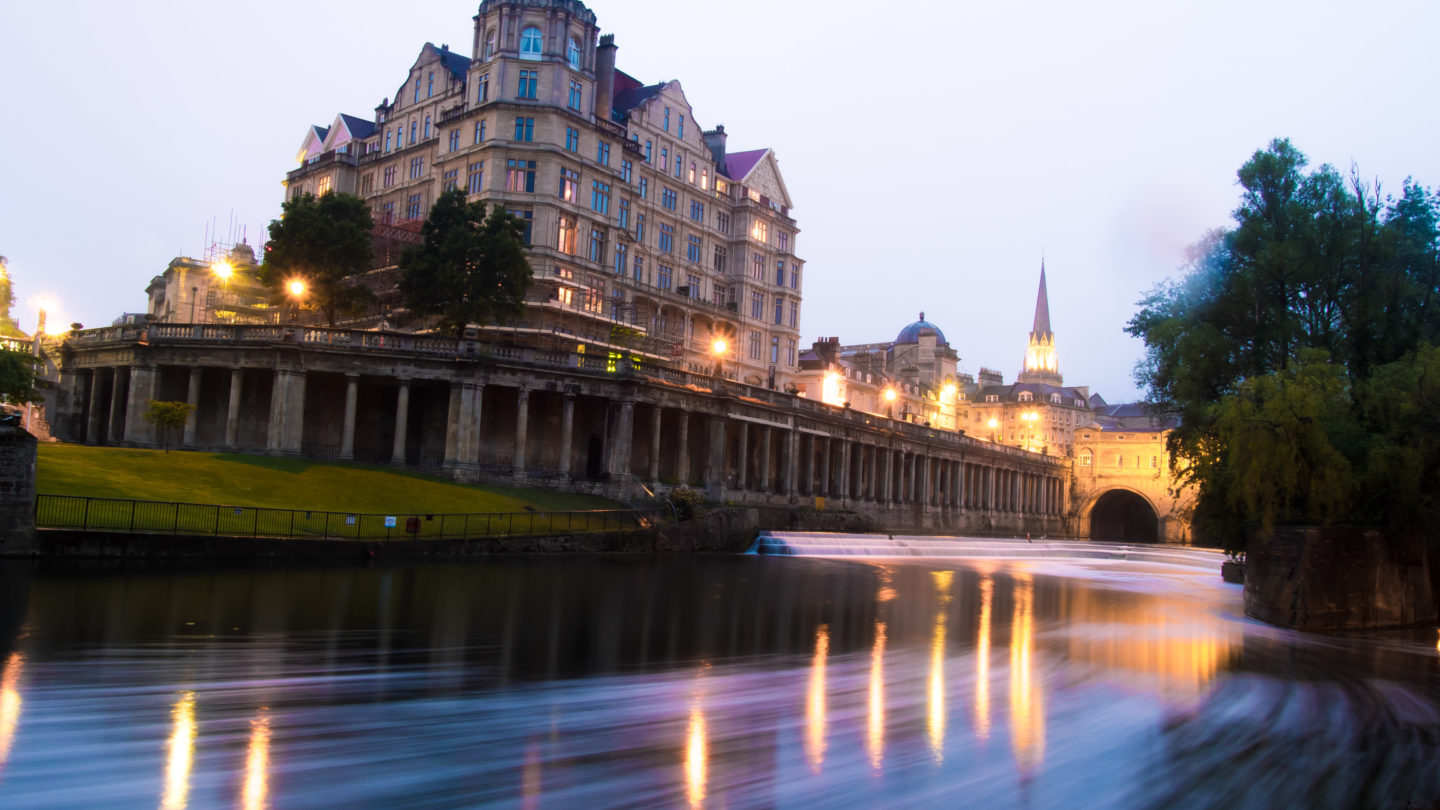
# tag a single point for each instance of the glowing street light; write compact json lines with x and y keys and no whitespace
{"x":296,"y":288}
{"x":223,"y":271}
{"x":993,"y":424}
{"x":718,"y":348}
{"x":890,"y":396}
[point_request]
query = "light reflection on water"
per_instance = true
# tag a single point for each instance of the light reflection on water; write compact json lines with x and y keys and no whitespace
{"x":702,"y":682}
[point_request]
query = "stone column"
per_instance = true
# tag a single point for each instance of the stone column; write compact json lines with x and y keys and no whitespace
{"x":742,"y":463}
{"x":763,"y":475}
{"x":874,"y":490}
{"x":792,"y":460}
{"x":232,"y":413}
{"x":402,"y":422}
{"x":115,"y":432}
{"x":192,"y":397}
{"x":843,"y":485}
{"x":522,"y":425}
{"x":295,"y":415}
{"x":715,"y":469}
{"x":567,"y":432}
{"x":347,"y":434}
{"x":623,"y":432}
{"x":825,"y":467}
{"x":808,"y":441}
{"x":886,"y":484}
{"x":655,"y":420}
{"x":142,"y":390}
{"x":97,"y":408}
{"x":682,"y":450}
{"x":452,"y":426}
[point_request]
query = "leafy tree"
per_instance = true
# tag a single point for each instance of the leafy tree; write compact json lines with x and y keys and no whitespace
{"x":8,"y":327}
{"x":326,"y":243}
{"x":470,"y":268}
{"x":168,"y":417}
{"x":1293,"y":350}
{"x":17,"y":377}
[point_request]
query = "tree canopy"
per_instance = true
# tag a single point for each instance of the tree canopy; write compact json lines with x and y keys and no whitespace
{"x":17,"y":377}
{"x":8,"y":327}
{"x":168,"y":417}
{"x":470,"y":268}
{"x":324,"y":242}
{"x":1298,"y":350}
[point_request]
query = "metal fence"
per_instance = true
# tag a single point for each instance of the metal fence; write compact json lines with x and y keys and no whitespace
{"x":163,"y":517}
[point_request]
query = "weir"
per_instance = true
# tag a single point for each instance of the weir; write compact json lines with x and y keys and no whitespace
{"x":828,"y":544}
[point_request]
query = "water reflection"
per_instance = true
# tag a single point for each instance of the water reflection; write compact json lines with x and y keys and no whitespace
{"x":574,"y":683}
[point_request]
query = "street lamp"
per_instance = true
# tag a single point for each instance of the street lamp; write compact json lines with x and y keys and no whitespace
{"x":223,"y":271}
{"x":993,"y":423}
{"x":296,"y":288}
{"x":718,"y":348}
{"x":889,"y":402}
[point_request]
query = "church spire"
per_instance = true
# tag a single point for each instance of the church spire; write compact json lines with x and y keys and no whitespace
{"x":1042,"y":308}
{"x":1041,"y":364}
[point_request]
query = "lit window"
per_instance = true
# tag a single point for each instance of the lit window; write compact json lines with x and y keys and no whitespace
{"x":323,"y":188}
{"x":569,"y":185}
{"x":520,"y":175}
{"x":566,"y":241}
{"x":760,"y":231}
{"x":704,"y":179}
{"x":531,"y":43}
{"x":1086,"y":458}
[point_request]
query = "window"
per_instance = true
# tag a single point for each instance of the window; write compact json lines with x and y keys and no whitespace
{"x":430,"y":86}
{"x":992,"y":397}
{"x":644,"y":189}
{"x":390,"y":172}
{"x":1119,"y":459}
{"x":490,"y":43}
{"x":693,"y":281}
{"x":719,"y":293}
{"x":565,"y":242}
{"x":602,"y":153}
{"x":1154,"y":462}
{"x":719,"y":261}
{"x":400,"y":137}
{"x":784,"y":239}
{"x":1055,"y":398}
{"x":412,"y":207}
{"x":662,"y":277}
{"x":520,"y":175}
{"x":475,"y":180}
{"x":667,"y":115}
{"x":794,"y":276}
{"x":692,"y":172}
{"x":427,"y":127}
{"x":482,"y":93}
{"x":640,"y":228}
{"x":451,"y":179}
{"x":387,"y":213}
{"x":757,"y":266}
{"x":790,"y":352}
{"x":531,"y":43}
{"x":595,"y":298}
{"x":574,"y":101}
{"x":705,"y":179}
{"x":412,"y":132}
{"x":323,"y":188}
{"x":565,"y":296}
{"x":664,"y":159}
{"x":572,"y":139}
{"x":479,"y":132}
{"x":597,"y":246}
{"x":697,"y":211}
{"x":754,"y":345}
{"x":1026,"y":396}
{"x":454,"y":139}
{"x":722,"y":222}
{"x":774,"y":350}
{"x":779,"y":310}
{"x":795,"y":313}
{"x":692,"y":250}
{"x":387,"y":140}
{"x":624,"y":214}
{"x":525,"y":89}
{"x":681,"y":132}
{"x":1086,"y":458}
{"x":600,"y":197}
{"x":640,"y":268}
{"x":417,"y":90}
{"x":367,"y":183}
{"x":668,"y":198}
{"x":417,"y":167}
{"x":527,"y":219}
{"x":666,"y":241}
{"x":627,"y":169}
{"x":760,"y":231}
{"x":622,"y":254}
{"x":780,"y":274}
{"x":524,"y":129}
{"x":679,"y":164}
{"x":572,"y":53}
{"x":569,"y":185}
{"x":647,"y":151}
{"x":757,"y":305}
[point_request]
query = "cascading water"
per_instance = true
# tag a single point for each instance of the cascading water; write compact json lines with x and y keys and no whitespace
{"x":828,"y":544}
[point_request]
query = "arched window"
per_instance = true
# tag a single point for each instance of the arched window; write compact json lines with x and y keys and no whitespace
{"x":1086,"y":458}
{"x":490,"y":43}
{"x":572,"y":53}
{"x":531,"y":43}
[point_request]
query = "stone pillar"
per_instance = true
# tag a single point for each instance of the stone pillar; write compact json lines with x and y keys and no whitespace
{"x":567,"y":432}
{"x":192,"y":397}
{"x":402,"y":422}
{"x":115,"y":432}
{"x":825,"y":467}
{"x":655,"y":420}
{"x":347,"y":432}
{"x":843,"y":485}
{"x":682,"y":451}
{"x":452,"y":426}
{"x":522,"y":425}
{"x":874,"y":490}
{"x":97,"y":408}
{"x":715,"y":469}
{"x":808,"y":441}
{"x":232,"y":413}
{"x":295,"y":414}
{"x":624,"y":431}
{"x":742,"y":463}
{"x":142,"y":390}
{"x":792,"y":460}
{"x":763,"y":475}
{"x":886,"y":484}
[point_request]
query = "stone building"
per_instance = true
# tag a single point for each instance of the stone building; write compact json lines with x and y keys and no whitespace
{"x":222,"y":288}
{"x":649,"y":238}
{"x":1122,"y":487}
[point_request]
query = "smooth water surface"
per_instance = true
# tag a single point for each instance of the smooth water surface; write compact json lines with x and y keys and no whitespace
{"x":693,"y":681}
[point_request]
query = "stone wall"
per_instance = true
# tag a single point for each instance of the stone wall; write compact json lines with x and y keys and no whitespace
{"x":1340,"y":578}
{"x":17,"y":491}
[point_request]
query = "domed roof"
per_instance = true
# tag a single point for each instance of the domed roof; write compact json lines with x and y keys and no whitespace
{"x":911,"y":333}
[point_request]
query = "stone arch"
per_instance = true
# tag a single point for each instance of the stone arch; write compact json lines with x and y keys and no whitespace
{"x":1122,"y":514}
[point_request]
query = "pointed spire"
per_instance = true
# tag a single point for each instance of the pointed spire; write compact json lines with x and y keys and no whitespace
{"x":1042,"y":307}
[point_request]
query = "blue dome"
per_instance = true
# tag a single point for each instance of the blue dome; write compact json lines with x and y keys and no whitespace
{"x":911,"y":333}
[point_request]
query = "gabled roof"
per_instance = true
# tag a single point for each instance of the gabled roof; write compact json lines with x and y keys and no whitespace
{"x":738,"y":165}
{"x":359,"y":127}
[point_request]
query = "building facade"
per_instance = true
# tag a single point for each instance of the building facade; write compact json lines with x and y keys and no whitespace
{"x":223,"y":288}
{"x":648,"y":237}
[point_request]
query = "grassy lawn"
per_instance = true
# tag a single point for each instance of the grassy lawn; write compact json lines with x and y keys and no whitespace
{"x":278,"y":483}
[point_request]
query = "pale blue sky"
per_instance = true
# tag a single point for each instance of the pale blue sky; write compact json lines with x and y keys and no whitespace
{"x":933,"y":151}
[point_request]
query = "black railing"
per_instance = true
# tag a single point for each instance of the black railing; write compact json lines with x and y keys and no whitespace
{"x":164,"y":517}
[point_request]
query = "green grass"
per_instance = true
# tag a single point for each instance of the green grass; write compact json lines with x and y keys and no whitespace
{"x":278,"y":483}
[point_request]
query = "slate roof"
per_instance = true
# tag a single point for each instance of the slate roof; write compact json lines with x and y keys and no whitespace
{"x":1133,"y":417}
{"x":360,"y":128}
{"x":1042,"y":308}
{"x":740,"y":164}
{"x":1041,"y":392}
{"x":911,"y":333}
{"x":629,"y":99}
{"x":457,"y":64}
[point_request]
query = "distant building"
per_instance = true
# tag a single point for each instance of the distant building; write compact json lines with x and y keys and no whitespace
{"x":220,"y":289}
{"x":648,"y":236}
{"x":1123,"y":488}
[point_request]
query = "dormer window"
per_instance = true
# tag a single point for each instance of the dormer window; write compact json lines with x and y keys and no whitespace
{"x":1026,"y":396}
{"x":572,"y":53}
{"x":531,"y":43}
{"x":1055,"y":398}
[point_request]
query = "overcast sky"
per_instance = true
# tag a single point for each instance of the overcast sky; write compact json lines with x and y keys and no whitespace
{"x":933,"y":150}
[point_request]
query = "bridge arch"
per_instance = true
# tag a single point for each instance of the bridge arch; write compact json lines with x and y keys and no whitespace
{"x":1123,"y":514}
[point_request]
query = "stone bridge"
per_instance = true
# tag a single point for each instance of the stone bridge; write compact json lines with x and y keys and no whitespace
{"x":594,"y":422}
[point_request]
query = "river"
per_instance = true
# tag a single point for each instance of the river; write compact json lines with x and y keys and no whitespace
{"x":701,"y":681}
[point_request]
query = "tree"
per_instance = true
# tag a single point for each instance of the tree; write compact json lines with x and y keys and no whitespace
{"x":470,"y":268}
{"x":8,"y":327}
{"x":17,"y":377}
{"x":168,"y":417}
{"x":1289,"y":346}
{"x":326,"y":243}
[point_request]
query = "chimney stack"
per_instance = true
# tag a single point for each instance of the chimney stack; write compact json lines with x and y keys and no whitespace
{"x":605,"y":77}
{"x":715,"y":141}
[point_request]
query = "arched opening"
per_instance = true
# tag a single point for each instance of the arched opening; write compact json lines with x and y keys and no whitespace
{"x":1123,"y":516}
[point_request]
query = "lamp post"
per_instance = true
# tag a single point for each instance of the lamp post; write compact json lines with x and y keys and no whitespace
{"x":992,"y":424}
{"x":296,"y":288}
{"x":223,"y":271}
{"x":718,"y":349}
{"x":889,"y":403}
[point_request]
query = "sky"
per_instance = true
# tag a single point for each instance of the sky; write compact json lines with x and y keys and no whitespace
{"x":935,"y":151}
